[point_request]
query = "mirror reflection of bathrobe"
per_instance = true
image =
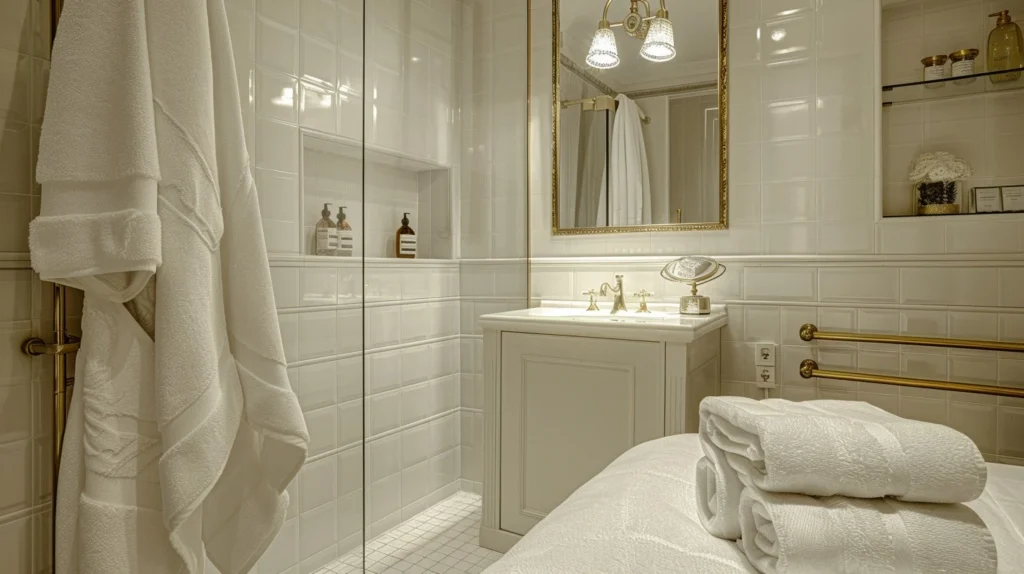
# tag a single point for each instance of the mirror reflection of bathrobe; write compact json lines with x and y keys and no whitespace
{"x":629,"y":180}
{"x":184,"y":430}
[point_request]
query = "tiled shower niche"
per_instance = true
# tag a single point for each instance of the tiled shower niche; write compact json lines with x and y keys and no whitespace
{"x":333,"y":171}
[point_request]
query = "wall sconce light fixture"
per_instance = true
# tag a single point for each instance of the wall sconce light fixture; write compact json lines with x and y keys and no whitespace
{"x":655,"y":31}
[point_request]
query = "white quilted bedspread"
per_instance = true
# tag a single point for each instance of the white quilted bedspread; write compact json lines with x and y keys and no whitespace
{"x":639,"y":516}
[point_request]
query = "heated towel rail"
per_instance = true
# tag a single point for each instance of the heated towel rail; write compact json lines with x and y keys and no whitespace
{"x":809,"y":367}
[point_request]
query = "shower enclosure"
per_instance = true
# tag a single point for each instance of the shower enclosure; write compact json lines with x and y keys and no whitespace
{"x":382,"y":108}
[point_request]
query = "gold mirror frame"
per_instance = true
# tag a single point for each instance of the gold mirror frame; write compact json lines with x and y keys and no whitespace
{"x":723,"y":129}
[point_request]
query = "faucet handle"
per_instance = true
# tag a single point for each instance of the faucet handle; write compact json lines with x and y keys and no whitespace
{"x":593,"y":303}
{"x":643,"y":294}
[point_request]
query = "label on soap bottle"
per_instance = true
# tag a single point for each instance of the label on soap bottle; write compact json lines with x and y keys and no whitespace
{"x":332,"y":238}
{"x":407,"y":245}
{"x":346,"y":241}
{"x":322,"y":239}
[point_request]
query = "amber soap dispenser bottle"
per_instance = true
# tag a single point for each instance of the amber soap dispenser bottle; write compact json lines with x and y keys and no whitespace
{"x":1005,"y":48}
{"x":405,"y":240}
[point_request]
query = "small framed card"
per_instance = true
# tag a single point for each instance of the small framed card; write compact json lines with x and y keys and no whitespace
{"x":987,"y":199}
{"x":1013,"y":198}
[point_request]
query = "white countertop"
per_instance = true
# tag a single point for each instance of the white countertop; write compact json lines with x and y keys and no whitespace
{"x":631,"y":325}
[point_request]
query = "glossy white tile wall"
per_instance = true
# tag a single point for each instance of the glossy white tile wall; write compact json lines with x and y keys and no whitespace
{"x":494,"y":130}
{"x":25,"y":385}
{"x":301,"y":65}
{"x":411,"y":430}
{"x":487,"y":286}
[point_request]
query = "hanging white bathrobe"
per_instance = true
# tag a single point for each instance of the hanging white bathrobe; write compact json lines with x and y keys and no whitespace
{"x":629,"y":180}
{"x":184,"y":430}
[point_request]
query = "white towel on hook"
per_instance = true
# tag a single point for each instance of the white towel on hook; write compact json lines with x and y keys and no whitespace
{"x":847,"y":448}
{"x":182,"y":444}
{"x":800,"y":534}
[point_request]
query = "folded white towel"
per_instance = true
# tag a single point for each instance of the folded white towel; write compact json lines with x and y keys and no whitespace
{"x":717,"y":488}
{"x":846,"y":448}
{"x":798,"y":533}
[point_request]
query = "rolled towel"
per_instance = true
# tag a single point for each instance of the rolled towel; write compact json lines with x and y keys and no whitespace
{"x":826,"y":448}
{"x":717,"y":488}
{"x":797,"y":533}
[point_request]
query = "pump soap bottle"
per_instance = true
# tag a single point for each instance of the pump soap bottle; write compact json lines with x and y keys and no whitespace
{"x":326,"y":233}
{"x":405,"y":240}
{"x":1005,"y":48}
{"x":346,"y":238}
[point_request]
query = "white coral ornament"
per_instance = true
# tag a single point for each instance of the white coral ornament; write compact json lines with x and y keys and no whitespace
{"x":939,"y":166}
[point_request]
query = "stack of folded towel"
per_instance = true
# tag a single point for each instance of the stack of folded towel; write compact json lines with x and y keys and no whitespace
{"x":840,"y":486}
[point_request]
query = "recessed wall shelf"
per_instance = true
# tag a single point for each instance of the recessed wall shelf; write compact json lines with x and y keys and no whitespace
{"x":355,"y":149}
{"x":946,"y":88}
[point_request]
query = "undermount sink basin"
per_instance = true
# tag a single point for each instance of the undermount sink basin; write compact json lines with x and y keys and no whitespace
{"x":655,"y":325}
{"x":583,"y":315}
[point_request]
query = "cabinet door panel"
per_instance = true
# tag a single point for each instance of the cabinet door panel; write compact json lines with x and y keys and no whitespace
{"x":569,"y":406}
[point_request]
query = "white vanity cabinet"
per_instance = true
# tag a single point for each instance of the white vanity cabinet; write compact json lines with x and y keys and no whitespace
{"x":566,"y":392}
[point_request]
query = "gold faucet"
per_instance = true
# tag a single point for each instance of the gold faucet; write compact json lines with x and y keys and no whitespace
{"x":620,"y":301}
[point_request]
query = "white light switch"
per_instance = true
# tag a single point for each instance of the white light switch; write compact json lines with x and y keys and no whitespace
{"x":764,"y":354}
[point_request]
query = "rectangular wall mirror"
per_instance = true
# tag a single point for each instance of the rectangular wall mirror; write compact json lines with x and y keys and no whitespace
{"x":640,"y":113}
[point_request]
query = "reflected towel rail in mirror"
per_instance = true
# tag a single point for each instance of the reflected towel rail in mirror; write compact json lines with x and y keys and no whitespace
{"x":810,"y":332}
{"x":600,"y":103}
{"x":809,"y":370}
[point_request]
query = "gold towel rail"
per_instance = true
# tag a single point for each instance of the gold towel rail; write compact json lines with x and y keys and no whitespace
{"x":810,"y":332}
{"x":809,"y":369}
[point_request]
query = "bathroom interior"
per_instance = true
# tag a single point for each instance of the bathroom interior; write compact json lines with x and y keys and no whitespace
{"x":622,"y":207}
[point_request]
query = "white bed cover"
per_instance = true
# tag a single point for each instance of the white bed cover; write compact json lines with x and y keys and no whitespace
{"x":639,"y":516}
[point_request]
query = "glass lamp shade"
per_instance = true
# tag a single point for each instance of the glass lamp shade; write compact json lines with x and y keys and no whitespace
{"x":660,"y":43}
{"x":603,"y":52}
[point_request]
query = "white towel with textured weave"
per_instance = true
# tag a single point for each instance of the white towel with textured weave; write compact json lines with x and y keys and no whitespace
{"x":846,"y":448}
{"x":797,"y":534}
{"x":184,"y":430}
{"x":718,"y":488}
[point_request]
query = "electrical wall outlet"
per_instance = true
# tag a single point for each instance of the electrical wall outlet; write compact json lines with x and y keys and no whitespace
{"x":765,"y":377}
{"x":764,"y":354}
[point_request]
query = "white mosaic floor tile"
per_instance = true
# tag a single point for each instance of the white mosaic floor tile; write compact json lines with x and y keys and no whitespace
{"x":443,"y":539}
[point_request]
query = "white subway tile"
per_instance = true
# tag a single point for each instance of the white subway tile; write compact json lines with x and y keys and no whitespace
{"x":277,"y":46}
{"x":350,"y":423}
{"x":350,"y":471}
{"x":383,"y":457}
{"x":949,"y":286}
{"x":277,"y":146}
{"x":914,"y":237}
{"x":318,"y":482}
{"x":1011,"y":287}
{"x":383,"y":412}
{"x":780,"y":283}
{"x":982,"y":237}
{"x":859,"y":284}
{"x":283,"y":552}
{"x":318,"y":334}
{"x":318,"y":529}
{"x":385,"y":497}
{"x":1010,"y":432}
{"x":318,"y":384}
{"x":928,"y":410}
{"x":383,"y":326}
{"x":384,"y":371}
{"x":322,"y":425}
